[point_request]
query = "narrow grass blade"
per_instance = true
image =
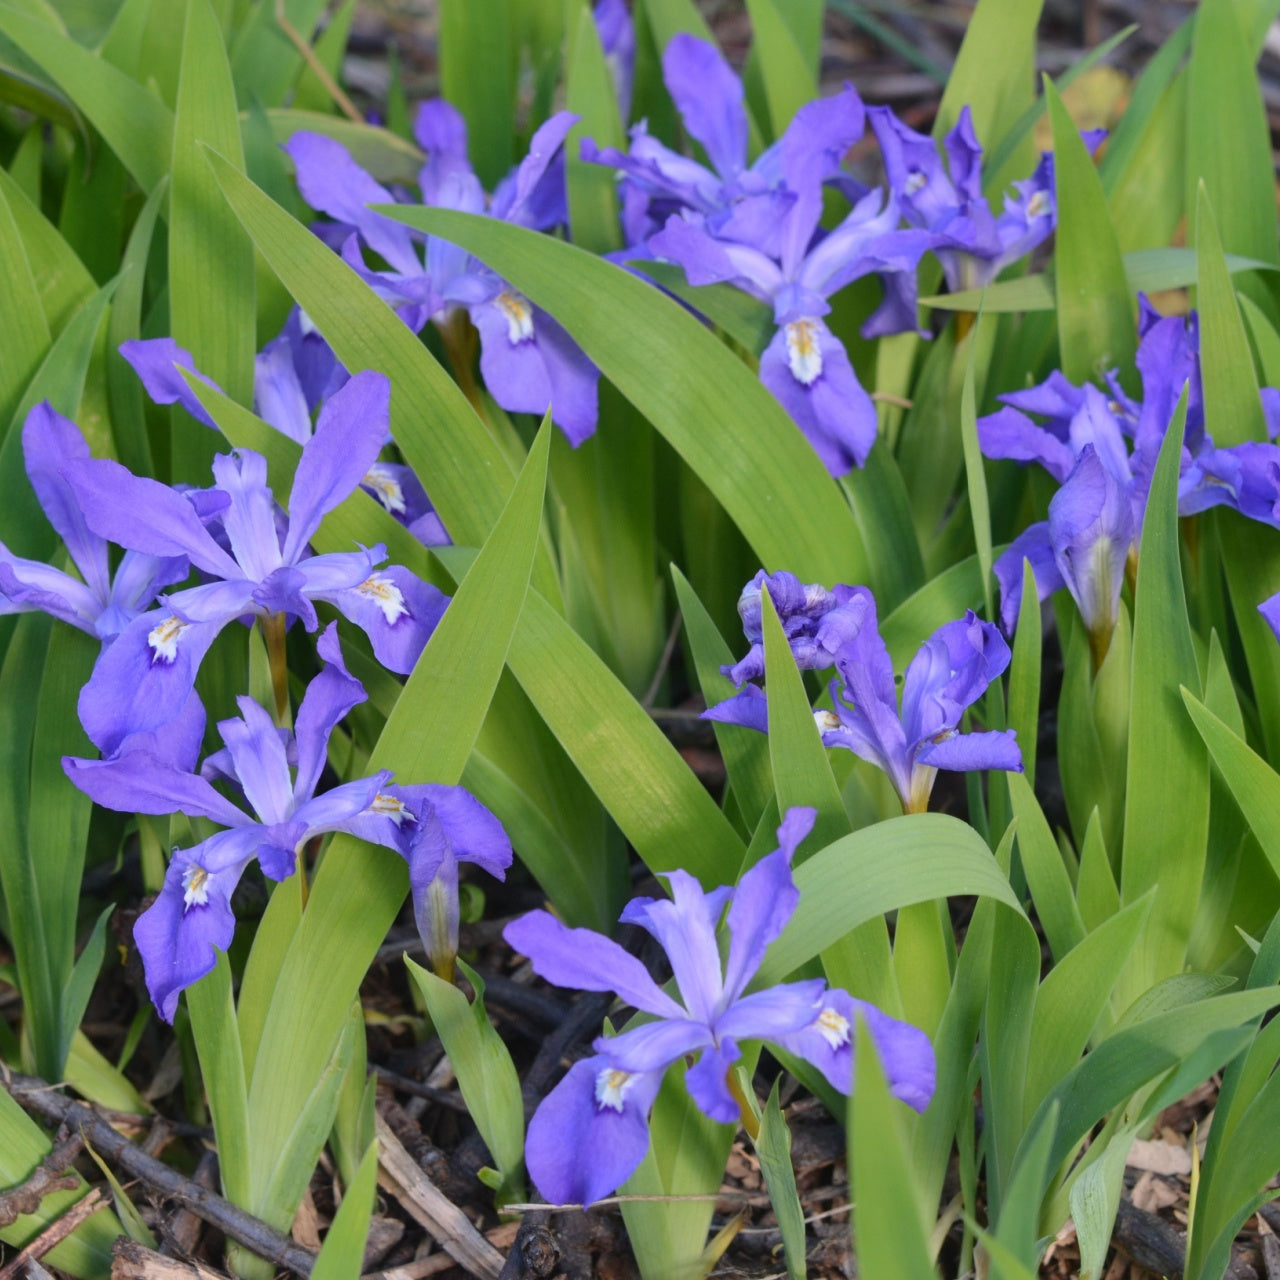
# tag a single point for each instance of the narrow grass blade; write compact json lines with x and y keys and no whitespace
{"x":1166,"y":815}
{"x":132,"y":121}
{"x":478,"y":67}
{"x":211,"y":271}
{"x":788,"y":76}
{"x":773,"y":1147}
{"x":1095,"y":312}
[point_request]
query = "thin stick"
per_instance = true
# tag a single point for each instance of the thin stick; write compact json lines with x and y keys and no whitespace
{"x":319,"y":70}
{"x":55,"y":1233}
{"x":264,"y":1240}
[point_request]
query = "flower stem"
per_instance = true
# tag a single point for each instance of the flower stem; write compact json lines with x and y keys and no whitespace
{"x":273,"y":633}
{"x":748,"y":1108}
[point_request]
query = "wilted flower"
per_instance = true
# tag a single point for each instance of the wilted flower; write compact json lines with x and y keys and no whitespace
{"x":592,"y":1131}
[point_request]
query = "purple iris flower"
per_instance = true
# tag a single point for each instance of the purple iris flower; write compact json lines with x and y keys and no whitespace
{"x":973,"y":244}
{"x":528,"y":360}
{"x":1102,"y":447}
{"x":949,"y":673}
{"x":179,"y":934}
{"x":739,"y":202}
{"x":294,"y":374}
{"x":815,"y":621}
{"x":142,"y":680}
{"x":436,"y":827}
{"x":98,"y":602}
{"x":805,"y":366}
{"x":591,"y":1131}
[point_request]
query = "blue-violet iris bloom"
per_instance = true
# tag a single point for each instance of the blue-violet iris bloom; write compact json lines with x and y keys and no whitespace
{"x":179,"y":935}
{"x":527,"y":359}
{"x":294,"y":375}
{"x":98,"y":602}
{"x":142,"y":680}
{"x":592,"y":1130}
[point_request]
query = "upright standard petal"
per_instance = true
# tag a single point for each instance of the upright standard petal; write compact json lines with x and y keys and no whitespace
{"x":709,"y":98}
{"x":328,"y":699}
{"x":156,"y":361}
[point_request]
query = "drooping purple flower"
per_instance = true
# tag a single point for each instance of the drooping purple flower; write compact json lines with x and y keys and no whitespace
{"x":948,"y":675}
{"x":805,"y":366}
{"x":294,"y":374}
{"x":527,"y":359}
{"x":815,"y":621}
{"x":591,"y":1131}
{"x":275,"y":775}
{"x":436,"y":827}
{"x":142,"y":680}
{"x":98,"y":602}
{"x":973,"y":244}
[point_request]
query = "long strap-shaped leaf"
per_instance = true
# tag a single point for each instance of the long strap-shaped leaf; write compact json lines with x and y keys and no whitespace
{"x":710,"y":408}
{"x":359,"y":889}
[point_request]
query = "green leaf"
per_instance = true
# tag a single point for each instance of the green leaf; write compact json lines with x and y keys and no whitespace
{"x":1075,"y":996}
{"x":589,"y":93}
{"x":434,"y":426}
{"x":773,"y":1147}
{"x":788,"y":76}
{"x":135,"y":124}
{"x":891,"y":1233}
{"x":801,"y":768}
{"x":130,"y":1219}
{"x":1096,"y":329}
{"x":1096,"y":889}
{"x":222,"y":1067}
{"x":1046,"y":875}
{"x":1166,"y":816}
{"x":1024,"y":675}
{"x":378,"y":151}
{"x":265,"y":61}
{"x":892,"y":864}
{"x":976,"y":478}
{"x":993,"y":71}
{"x":341,"y":1255}
{"x":27,"y":333}
{"x":745,"y":752}
{"x":358,"y":891}
{"x":1147,"y":271}
{"x":211,"y":271}
{"x":747,"y":320}
{"x":84,"y":973}
{"x":649,"y":791}
{"x":124,"y":388}
{"x":713,"y":412}
{"x":486,"y":1074}
{"x":478,"y":66}
{"x":1230,"y":388}
{"x":1095,"y":1200}
{"x":1253,"y":783}
{"x":1228,"y":138}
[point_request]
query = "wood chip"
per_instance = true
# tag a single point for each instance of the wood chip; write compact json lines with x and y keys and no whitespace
{"x":1152,"y":1193}
{"x":399,"y":1175}
{"x":1159,"y":1156}
{"x":132,"y":1261}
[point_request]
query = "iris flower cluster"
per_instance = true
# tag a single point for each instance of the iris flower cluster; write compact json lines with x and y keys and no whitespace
{"x":527,"y":359}
{"x":838,"y":628}
{"x":757,"y":226}
{"x":1102,"y":446}
{"x":592,"y":1130}
{"x":254,"y":560}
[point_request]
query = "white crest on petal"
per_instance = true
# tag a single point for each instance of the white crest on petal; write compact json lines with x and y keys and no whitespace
{"x":386,"y":595}
{"x":519,"y":316}
{"x":826,"y":720}
{"x":833,"y":1027}
{"x":1038,"y":205}
{"x":195,"y":884}
{"x":386,"y":487}
{"x":612,"y":1087}
{"x":915,"y":181}
{"x":391,"y":808}
{"x":163,"y":638}
{"x":804,"y":356}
